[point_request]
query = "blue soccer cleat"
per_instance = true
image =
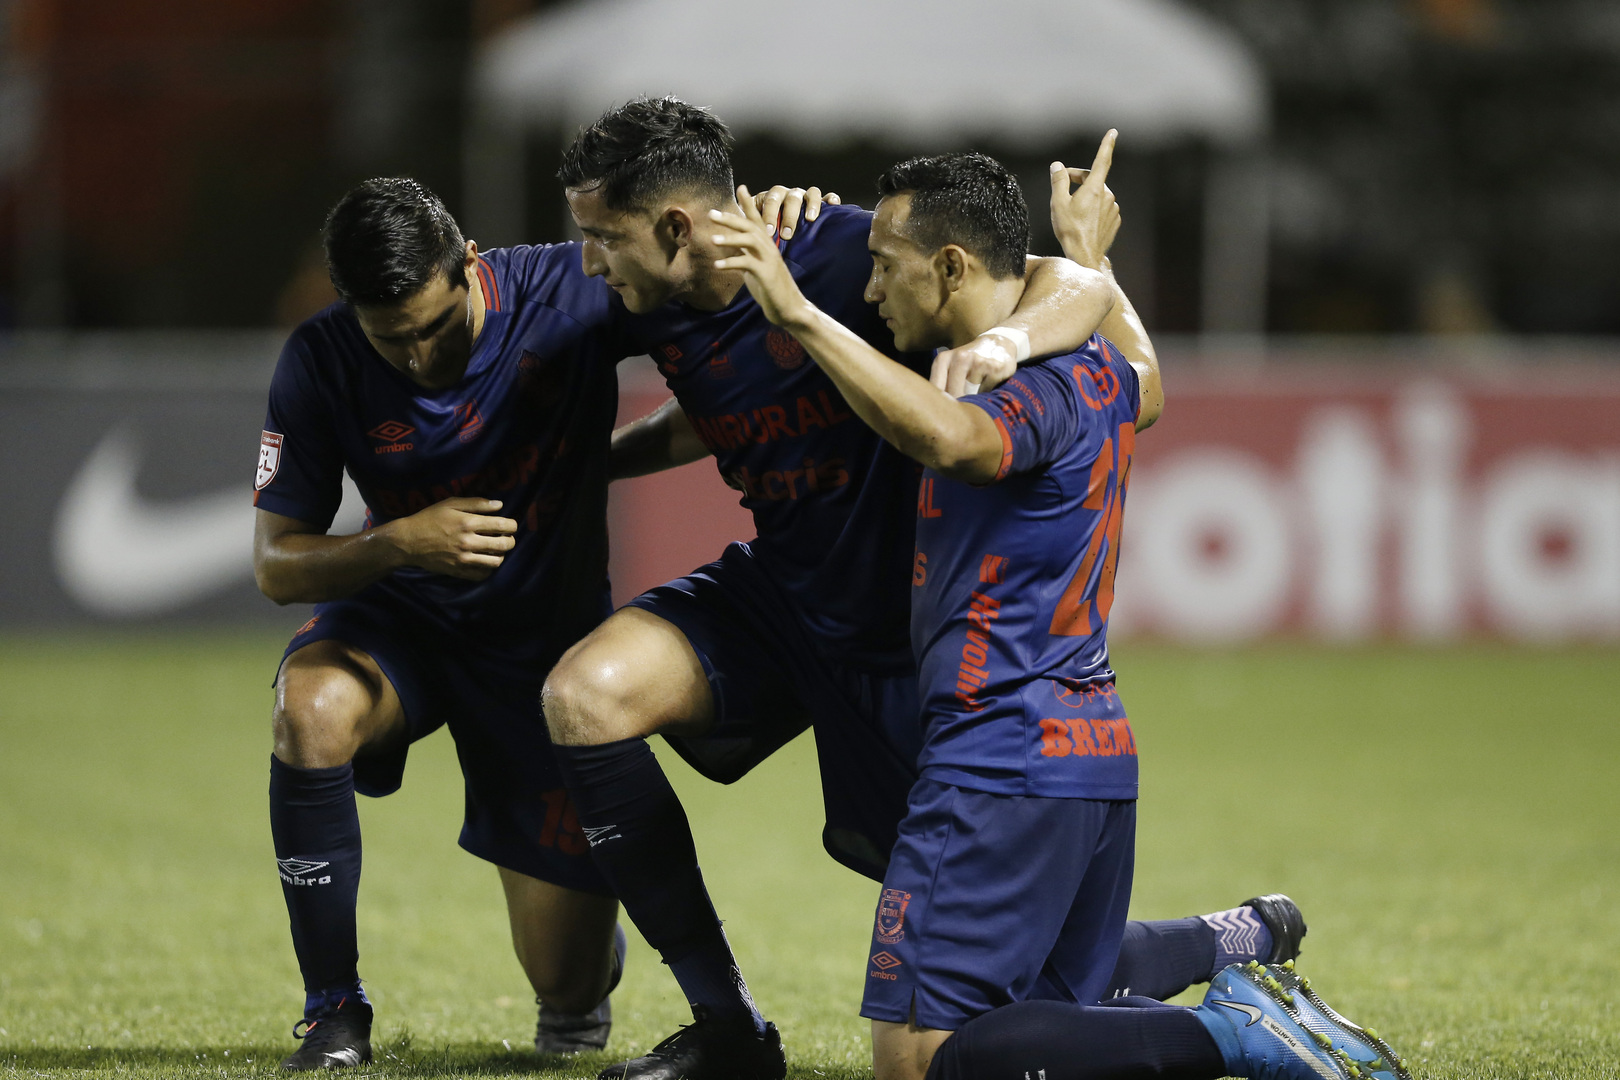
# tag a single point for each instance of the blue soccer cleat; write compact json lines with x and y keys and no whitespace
{"x":1270,"y":1025}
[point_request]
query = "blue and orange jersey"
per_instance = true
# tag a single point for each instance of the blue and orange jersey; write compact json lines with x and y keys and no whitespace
{"x":527,"y":424}
{"x":1011,"y":586}
{"x":831,"y":501}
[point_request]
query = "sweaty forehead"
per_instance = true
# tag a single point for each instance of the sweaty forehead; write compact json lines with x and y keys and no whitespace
{"x":888,"y":235}
{"x":591,"y":210}
{"x":413,"y":314}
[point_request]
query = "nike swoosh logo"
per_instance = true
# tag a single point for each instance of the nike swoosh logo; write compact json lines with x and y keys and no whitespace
{"x":346,"y":1058}
{"x":1253,"y":1013}
{"x":118,"y":554}
{"x":600,"y":833}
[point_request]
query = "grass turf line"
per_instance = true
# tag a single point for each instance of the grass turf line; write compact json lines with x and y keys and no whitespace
{"x":1445,"y":818}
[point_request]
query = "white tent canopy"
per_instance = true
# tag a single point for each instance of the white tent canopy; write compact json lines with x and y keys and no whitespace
{"x":1026,"y":72}
{"x":1016,"y":74}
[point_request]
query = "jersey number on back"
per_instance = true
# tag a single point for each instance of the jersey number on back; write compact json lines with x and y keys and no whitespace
{"x":1073,"y":615}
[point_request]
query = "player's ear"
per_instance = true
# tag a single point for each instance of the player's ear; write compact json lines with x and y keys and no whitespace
{"x":950,"y":267}
{"x":675,"y":227}
{"x":469,"y":261}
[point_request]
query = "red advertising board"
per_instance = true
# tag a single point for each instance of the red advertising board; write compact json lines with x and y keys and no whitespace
{"x":1334,"y":502}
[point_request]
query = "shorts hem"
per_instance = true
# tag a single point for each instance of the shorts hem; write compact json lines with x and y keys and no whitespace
{"x":889,"y":1016}
{"x":596,"y":886}
{"x":926,"y":1018}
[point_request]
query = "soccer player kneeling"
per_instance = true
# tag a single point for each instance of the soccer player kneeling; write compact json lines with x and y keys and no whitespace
{"x":1005,"y":900}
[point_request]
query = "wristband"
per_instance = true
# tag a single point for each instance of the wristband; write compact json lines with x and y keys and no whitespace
{"x":1019,"y":338}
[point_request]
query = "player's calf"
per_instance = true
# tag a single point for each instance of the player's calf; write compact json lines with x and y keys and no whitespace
{"x":559,"y":1032}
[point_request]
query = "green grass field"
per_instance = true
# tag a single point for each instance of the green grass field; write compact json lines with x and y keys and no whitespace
{"x":1448,"y":820}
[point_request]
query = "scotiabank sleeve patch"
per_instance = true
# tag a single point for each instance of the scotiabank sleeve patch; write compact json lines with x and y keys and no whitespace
{"x":300,"y":472}
{"x":269,"y":459}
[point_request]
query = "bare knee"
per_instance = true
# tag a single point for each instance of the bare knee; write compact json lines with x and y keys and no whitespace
{"x":327,"y":707}
{"x":634,"y":676}
{"x":563,"y":939}
{"x":588,"y":697}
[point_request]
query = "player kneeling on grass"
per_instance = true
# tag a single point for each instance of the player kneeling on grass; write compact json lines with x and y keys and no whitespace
{"x":1005,"y":901}
{"x":469,"y":395}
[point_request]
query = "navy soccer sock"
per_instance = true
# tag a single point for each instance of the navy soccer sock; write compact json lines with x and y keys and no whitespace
{"x":316,"y":830}
{"x":1126,"y":1039}
{"x":1162,"y":958}
{"x":1240,"y":936}
{"x":642,"y":843}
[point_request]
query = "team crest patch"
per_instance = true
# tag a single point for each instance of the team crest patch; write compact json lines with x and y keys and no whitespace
{"x":269,"y":459}
{"x":786,"y":352}
{"x":891,"y":916}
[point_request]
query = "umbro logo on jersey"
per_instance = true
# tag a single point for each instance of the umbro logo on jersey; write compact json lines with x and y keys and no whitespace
{"x":602,"y":832}
{"x":392,"y":433}
{"x":303,"y":872}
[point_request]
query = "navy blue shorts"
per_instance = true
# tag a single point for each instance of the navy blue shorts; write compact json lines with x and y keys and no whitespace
{"x":518,"y":814}
{"x":771,"y":679}
{"x":992,"y":899}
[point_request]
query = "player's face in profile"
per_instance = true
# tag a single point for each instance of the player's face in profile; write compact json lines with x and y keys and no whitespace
{"x":622,"y":248}
{"x":902,"y":282}
{"x":428,"y":335}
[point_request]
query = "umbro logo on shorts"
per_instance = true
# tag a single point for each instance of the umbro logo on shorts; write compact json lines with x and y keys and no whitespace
{"x":881,"y":963}
{"x":302,"y":872}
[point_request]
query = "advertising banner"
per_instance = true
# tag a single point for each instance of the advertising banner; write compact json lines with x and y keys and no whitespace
{"x":1330,"y":501}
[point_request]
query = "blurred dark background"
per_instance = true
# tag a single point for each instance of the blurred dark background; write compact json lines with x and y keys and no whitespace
{"x":1435,"y":166}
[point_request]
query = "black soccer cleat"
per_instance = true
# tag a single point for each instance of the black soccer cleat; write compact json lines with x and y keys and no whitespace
{"x":337,"y":1037}
{"x":1287,"y":925}
{"x":708,"y":1049}
{"x":565,"y":1033}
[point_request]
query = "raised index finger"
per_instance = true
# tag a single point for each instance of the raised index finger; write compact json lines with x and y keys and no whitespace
{"x":1105,"y":158}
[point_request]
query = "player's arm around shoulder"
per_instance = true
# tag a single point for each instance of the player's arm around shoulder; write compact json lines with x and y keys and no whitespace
{"x":1063,"y":304}
{"x":663,"y":439}
{"x":957,"y":440}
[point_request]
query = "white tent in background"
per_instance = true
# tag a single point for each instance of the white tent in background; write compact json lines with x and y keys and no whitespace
{"x":1022,"y":74}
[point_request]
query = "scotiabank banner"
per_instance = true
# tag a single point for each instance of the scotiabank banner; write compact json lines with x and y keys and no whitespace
{"x":1301,"y":499}
{"x":1347,"y":505}
{"x":1334,"y":502}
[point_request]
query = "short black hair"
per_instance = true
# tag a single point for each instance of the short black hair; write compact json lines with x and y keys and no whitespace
{"x":967,"y":199}
{"x":388,"y":238}
{"x":647,"y":148}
